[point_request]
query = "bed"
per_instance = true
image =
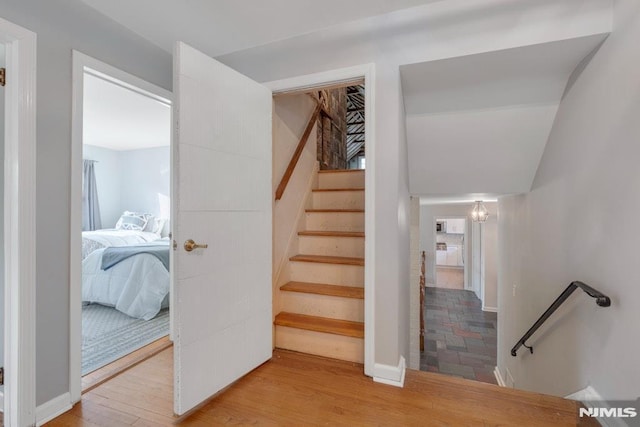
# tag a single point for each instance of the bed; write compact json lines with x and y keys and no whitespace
{"x":127,"y":267}
{"x":137,"y":284}
{"x":93,"y":240}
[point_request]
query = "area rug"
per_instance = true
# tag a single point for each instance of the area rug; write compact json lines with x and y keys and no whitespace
{"x":108,"y":334}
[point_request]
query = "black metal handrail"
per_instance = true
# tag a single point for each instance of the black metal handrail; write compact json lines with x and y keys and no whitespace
{"x":601,"y":299}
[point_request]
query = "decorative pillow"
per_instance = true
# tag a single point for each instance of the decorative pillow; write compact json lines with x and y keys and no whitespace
{"x":133,"y":221}
{"x":158,"y":226}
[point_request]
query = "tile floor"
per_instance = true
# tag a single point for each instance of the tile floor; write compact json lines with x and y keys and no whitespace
{"x":460,"y":338}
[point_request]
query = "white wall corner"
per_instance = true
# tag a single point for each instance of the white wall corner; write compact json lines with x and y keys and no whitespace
{"x":499,"y":378}
{"x":53,"y":408}
{"x":590,"y":398}
{"x":390,"y":375}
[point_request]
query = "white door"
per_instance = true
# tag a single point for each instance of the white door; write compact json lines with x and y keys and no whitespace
{"x":222,"y":163}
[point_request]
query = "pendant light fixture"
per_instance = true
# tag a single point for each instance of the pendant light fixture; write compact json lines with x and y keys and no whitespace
{"x":479,"y":212}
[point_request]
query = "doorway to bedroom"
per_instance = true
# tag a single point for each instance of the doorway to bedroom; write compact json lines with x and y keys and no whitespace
{"x":126,"y":183}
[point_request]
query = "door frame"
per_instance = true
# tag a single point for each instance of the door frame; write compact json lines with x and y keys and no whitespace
{"x":345,"y":75}
{"x":19,"y":399}
{"x":81,"y":63}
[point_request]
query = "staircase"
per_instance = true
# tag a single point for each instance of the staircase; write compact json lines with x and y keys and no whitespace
{"x":323,"y":304}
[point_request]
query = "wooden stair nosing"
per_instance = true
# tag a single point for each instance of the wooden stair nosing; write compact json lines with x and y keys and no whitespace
{"x":324,"y":289}
{"x":320,"y":324}
{"x":340,"y":170}
{"x":327,"y":190}
{"x":326,"y":259}
{"x":335,"y":210}
{"x":320,"y":233}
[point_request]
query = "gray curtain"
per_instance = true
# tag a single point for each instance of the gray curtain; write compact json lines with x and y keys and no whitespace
{"x":90,"y":207}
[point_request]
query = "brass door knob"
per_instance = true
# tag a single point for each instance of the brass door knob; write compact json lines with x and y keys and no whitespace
{"x":190,"y":245}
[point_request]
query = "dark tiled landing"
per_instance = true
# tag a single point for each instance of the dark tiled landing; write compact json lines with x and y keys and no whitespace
{"x":460,"y":339}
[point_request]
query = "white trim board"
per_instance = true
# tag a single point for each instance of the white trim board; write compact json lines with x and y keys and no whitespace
{"x":490,"y":309}
{"x":53,"y":408}
{"x":85,"y":64}
{"x":499,"y":379}
{"x":19,"y":224}
{"x":310,"y":81}
{"x":390,"y":375}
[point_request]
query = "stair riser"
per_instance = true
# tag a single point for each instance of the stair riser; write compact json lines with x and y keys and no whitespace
{"x":335,"y":274}
{"x":333,"y":246}
{"x":338,"y":199}
{"x":335,"y":221}
{"x":341,"y":180}
{"x":321,"y":344}
{"x":323,"y":306}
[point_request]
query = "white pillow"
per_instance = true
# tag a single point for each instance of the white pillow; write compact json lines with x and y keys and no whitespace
{"x":135,"y":221}
{"x":158,"y":225}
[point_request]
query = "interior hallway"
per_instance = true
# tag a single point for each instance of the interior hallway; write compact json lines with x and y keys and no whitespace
{"x":460,"y":338}
{"x":298,"y":389}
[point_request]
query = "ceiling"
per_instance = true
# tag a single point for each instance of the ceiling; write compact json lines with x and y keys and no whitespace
{"x":217,"y":27}
{"x":119,"y":118}
{"x":479,"y":123}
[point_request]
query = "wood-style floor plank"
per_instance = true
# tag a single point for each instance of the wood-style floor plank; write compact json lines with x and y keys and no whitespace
{"x":296,"y":389}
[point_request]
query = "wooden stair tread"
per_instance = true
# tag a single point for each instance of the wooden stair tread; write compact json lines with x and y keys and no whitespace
{"x":324,"y":289}
{"x":326,"y":259}
{"x":322,"y":190}
{"x":335,"y":210}
{"x":321,"y":233}
{"x":321,"y":324}
{"x":340,"y":170}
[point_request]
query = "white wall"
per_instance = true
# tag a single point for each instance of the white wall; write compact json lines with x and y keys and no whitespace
{"x":145,"y":180}
{"x":291,"y":114}
{"x":61,"y":27}
{"x":579,"y":222}
{"x":489,"y":248}
{"x":435,"y":31}
{"x":134,"y":180}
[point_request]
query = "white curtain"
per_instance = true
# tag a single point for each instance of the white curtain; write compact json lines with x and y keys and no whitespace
{"x":90,"y":206}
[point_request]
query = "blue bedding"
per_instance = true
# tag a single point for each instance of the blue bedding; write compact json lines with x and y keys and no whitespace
{"x":116,"y":254}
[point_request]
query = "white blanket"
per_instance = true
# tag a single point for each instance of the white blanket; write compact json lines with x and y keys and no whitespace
{"x":92,"y":240}
{"x":137,"y":286}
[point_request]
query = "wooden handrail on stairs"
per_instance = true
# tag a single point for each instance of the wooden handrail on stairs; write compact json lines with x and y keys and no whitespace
{"x":296,"y":154}
{"x":423,"y":285}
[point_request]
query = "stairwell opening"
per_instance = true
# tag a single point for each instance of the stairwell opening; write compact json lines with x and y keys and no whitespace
{"x":318,"y":283}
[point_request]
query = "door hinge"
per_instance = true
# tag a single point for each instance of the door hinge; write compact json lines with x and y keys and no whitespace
{"x":3,"y":76}
{"x":1,"y":376}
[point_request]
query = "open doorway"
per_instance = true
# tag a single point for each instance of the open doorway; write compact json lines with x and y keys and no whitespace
{"x":123,"y":271}
{"x":450,"y":253}
{"x":458,"y":311}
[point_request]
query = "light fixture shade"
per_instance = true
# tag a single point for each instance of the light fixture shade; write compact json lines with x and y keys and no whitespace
{"x":479,"y":212}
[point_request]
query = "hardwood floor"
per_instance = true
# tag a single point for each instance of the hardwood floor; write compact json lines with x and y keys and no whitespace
{"x":297,"y":389}
{"x":104,"y":374}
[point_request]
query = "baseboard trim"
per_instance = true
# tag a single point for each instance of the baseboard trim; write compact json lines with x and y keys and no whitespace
{"x":390,"y":375}
{"x":590,"y":398}
{"x":51,"y":409}
{"x":490,"y":309}
{"x":499,"y":378}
